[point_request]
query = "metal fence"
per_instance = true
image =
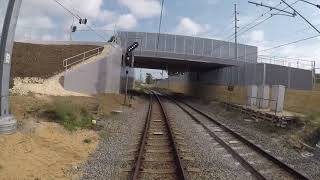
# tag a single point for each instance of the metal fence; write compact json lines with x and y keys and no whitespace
{"x":289,"y":62}
{"x":187,"y":46}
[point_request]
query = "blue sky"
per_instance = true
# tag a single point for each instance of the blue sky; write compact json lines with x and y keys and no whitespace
{"x":45,"y":20}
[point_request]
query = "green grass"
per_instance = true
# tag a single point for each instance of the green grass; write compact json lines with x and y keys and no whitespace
{"x":70,"y":115}
{"x":87,"y":141}
{"x":311,"y":131}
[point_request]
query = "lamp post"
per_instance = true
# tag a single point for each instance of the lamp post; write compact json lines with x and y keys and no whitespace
{"x":8,"y":123}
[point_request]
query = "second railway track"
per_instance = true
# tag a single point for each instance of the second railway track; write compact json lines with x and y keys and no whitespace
{"x":260,"y":163}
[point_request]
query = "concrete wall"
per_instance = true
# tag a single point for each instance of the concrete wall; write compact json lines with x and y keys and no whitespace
{"x":295,"y":100}
{"x":101,"y":75}
{"x":292,"y":78}
{"x":212,"y":85}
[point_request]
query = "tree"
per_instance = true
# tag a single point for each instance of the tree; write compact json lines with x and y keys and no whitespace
{"x":149,"y":78}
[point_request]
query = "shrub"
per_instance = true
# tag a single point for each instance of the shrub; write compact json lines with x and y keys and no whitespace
{"x":71,"y":116}
{"x":87,"y":141}
{"x":311,"y":132}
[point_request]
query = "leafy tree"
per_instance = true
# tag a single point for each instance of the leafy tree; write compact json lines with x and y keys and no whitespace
{"x":149,"y":78}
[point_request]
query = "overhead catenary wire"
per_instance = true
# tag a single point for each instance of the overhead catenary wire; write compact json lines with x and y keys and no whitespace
{"x":259,"y":17}
{"x":264,"y":20}
{"x":255,"y":25}
{"x":226,"y":28}
{"x":77,"y":17}
{"x":282,"y":45}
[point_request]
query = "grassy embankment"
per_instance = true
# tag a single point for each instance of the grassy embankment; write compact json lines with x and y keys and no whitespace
{"x":71,"y":112}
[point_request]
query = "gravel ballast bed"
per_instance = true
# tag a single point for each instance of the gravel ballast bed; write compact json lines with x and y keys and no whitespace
{"x":120,"y":131}
{"x":213,"y":161}
{"x":275,"y":143}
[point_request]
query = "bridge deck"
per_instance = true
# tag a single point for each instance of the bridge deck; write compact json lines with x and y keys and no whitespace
{"x":177,"y":50}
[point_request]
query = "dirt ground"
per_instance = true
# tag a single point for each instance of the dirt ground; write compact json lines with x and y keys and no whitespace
{"x":42,"y":149}
{"x":42,"y":61}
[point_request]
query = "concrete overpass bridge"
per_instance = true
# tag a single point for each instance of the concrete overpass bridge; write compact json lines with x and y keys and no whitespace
{"x":185,"y":52}
{"x":208,"y":61}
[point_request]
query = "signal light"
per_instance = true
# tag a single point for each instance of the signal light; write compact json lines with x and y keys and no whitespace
{"x":132,"y":47}
{"x":128,"y":59}
{"x":73,"y":28}
{"x":83,"y":21}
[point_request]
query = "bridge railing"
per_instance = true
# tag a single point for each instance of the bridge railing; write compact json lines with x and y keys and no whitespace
{"x":299,"y":63}
{"x":184,"y":46}
{"x":81,"y":57}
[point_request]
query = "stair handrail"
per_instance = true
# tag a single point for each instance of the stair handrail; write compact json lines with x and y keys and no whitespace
{"x":83,"y":57}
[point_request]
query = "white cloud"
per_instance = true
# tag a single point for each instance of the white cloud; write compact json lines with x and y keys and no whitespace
{"x":90,"y":9}
{"x":213,"y":2}
{"x":127,"y":21}
{"x":49,"y":19}
{"x":107,"y":16}
{"x":187,"y":26}
{"x":256,"y":36}
{"x":142,"y":8}
{"x":36,"y":22}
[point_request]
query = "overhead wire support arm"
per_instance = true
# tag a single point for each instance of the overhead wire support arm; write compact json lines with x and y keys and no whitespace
{"x":301,"y":16}
{"x":316,"y":5}
{"x":292,"y":14}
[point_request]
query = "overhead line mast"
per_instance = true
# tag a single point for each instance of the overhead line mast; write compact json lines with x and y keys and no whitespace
{"x":235,"y":31}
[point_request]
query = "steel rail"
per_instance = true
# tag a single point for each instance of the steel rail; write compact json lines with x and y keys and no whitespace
{"x":234,"y":154}
{"x":143,"y":142}
{"x":265,"y":154}
{"x":181,"y":169}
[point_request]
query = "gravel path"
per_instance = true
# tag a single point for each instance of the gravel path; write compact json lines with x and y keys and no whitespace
{"x":274,"y":142}
{"x":213,"y":161}
{"x":118,"y":134}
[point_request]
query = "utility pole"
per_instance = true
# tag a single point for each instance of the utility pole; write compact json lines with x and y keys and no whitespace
{"x":235,"y":32}
{"x":8,"y":123}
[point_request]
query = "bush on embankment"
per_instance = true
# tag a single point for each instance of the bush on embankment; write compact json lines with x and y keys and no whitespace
{"x":71,"y":116}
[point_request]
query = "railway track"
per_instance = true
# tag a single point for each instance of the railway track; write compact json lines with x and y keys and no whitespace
{"x":260,"y":163}
{"x":158,"y":155}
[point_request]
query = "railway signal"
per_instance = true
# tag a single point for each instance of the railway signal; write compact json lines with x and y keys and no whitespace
{"x":73,"y":28}
{"x":128,"y":59}
{"x":83,"y":21}
{"x":132,"y":47}
{"x":129,"y":54}
{"x":129,"y":62}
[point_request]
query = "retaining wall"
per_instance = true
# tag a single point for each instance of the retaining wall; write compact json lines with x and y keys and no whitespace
{"x":299,"y":96}
{"x":101,"y":75}
{"x":292,"y":78}
{"x":295,"y":100}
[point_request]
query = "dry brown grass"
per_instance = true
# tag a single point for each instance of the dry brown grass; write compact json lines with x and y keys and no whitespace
{"x":99,"y":106}
{"x":302,"y":101}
